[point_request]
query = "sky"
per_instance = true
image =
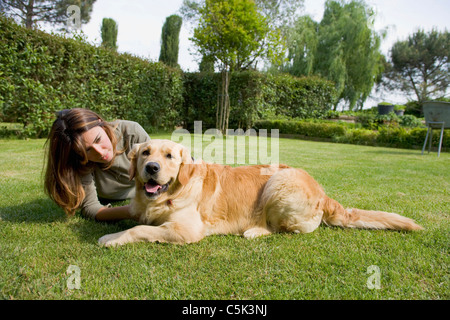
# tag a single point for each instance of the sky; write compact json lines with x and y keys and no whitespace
{"x":140,"y":23}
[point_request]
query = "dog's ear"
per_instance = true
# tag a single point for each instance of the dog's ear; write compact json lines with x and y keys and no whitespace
{"x":186,"y":172}
{"x":185,"y":155}
{"x":132,"y":156}
{"x":187,"y":166}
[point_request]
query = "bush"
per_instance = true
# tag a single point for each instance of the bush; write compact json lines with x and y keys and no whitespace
{"x":306,"y":97}
{"x":414,"y":108}
{"x":304,"y":128}
{"x":388,"y":136}
{"x":358,"y":136}
{"x":255,"y":95}
{"x":374,"y":121}
{"x":42,"y":73}
{"x":410,"y":121}
{"x":199,"y":99}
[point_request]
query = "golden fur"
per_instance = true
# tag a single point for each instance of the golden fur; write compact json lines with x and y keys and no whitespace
{"x":194,"y":200}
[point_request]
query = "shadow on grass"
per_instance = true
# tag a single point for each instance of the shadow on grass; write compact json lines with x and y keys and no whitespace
{"x":35,"y":211}
{"x":45,"y":211}
{"x":90,"y":231}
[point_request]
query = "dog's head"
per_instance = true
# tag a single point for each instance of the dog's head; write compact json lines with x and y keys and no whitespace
{"x":157,"y":165}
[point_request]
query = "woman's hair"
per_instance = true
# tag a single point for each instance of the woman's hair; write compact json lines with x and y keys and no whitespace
{"x":67,"y":160}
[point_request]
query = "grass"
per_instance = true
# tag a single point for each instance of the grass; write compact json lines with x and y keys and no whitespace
{"x":38,"y":243}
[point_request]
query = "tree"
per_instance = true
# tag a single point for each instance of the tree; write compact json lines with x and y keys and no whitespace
{"x":170,"y":40}
{"x":278,"y":14}
{"x":236,"y":35}
{"x":303,"y":40}
{"x":207,"y":64}
{"x":32,"y":12}
{"x":109,"y":32}
{"x":343,"y":48}
{"x":420,"y":65}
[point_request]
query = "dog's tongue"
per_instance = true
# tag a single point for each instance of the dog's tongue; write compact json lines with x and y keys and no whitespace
{"x":152,"y":188}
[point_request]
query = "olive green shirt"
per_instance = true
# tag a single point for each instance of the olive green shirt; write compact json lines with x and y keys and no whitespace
{"x":113,"y":183}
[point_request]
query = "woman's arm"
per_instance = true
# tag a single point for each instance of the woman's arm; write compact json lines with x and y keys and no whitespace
{"x":114,"y":213}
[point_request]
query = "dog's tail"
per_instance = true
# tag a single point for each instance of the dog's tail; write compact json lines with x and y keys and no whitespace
{"x":334,"y":214}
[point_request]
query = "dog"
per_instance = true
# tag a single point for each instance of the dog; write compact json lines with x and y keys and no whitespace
{"x":181,"y":201}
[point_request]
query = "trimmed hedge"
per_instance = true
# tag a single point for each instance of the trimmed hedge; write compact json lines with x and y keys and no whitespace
{"x":42,"y":73}
{"x":303,"y":128}
{"x":255,"y":95}
{"x":303,"y":98}
{"x":397,"y":137}
{"x":200,"y":98}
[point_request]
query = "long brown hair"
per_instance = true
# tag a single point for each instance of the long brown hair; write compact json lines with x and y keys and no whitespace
{"x":67,"y":160}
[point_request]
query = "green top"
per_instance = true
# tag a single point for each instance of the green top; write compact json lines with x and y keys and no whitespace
{"x":113,"y":183}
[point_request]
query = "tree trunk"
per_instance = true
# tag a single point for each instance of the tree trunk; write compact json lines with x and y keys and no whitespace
{"x":223,"y":107}
{"x":29,"y":14}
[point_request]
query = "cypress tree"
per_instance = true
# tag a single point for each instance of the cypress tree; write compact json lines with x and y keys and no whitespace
{"x":170,"y":40}
{"x":109,"y":31}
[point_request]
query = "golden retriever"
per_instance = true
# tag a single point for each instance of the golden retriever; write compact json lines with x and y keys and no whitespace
{"x":180,"y":201}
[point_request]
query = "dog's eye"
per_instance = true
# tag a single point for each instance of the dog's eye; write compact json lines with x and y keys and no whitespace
{"x":146,"y":153}
{"x":169,"y":156}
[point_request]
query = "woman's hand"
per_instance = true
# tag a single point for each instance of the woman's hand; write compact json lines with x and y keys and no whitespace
{"x":114,"y":214}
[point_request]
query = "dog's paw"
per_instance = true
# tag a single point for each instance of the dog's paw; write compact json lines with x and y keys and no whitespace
{"x":113,"y":239}
{"x":256,"y":232}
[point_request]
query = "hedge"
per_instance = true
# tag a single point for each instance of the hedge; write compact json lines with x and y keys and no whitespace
{"x":42,"y":73}
{"x":397,"y":137}
{"x":200,"y":98}
{"x":303,"y":98}
{"x":303,"y":128}
{"x":254,"y":96}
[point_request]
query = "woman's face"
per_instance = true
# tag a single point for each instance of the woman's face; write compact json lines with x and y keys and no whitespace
{"x":98,"y":145}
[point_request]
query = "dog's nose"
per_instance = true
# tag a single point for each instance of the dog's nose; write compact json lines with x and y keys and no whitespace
{"x":152,"y":167}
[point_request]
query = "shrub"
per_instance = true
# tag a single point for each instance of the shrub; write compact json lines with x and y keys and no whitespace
{"x":306,"y":97}
{"x":414,"y":108}
{"x":199,"y":99}
{"x":388,"y":136}
{"x":358,"y":136}
{"x":367,"y":120}
{"x":255,"y":95}
{"x":410,"y":121}
{"x":374,"y":121}
{"x":304,"y":128}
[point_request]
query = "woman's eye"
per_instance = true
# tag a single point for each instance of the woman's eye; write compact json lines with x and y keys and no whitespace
{"x":146,"y":153}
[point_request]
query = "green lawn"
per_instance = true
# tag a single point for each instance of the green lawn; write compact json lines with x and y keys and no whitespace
{"x":38,"y":243}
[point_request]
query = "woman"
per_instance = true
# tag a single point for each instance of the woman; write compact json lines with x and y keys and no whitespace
{"x":87,"y":162}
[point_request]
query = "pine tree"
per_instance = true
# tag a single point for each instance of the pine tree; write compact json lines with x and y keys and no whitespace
{"x":420,"y":65}
{"x":32,"y":12}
